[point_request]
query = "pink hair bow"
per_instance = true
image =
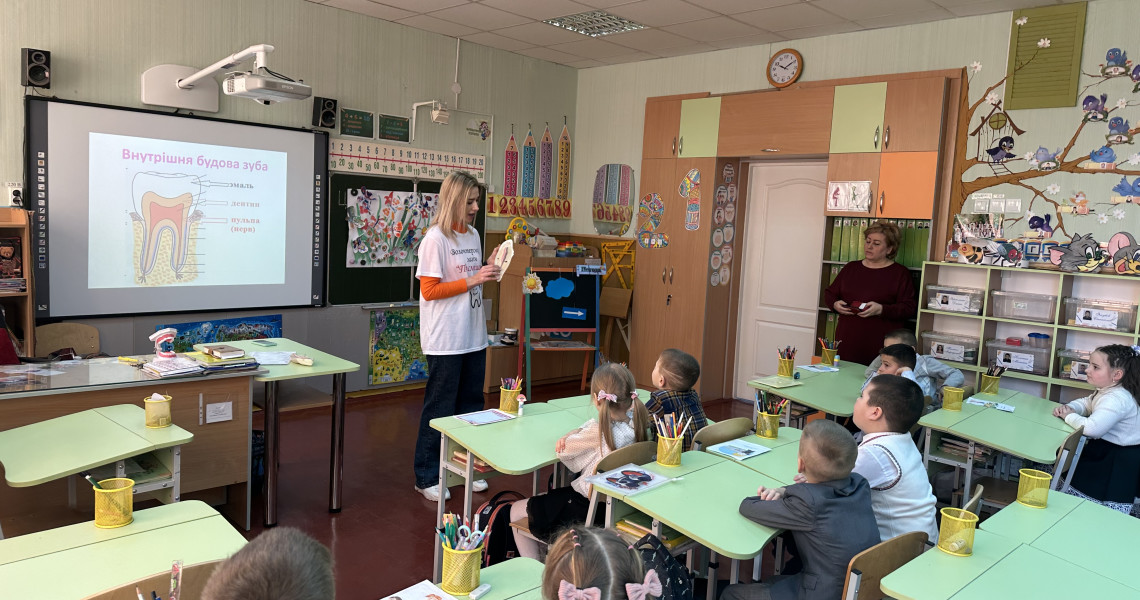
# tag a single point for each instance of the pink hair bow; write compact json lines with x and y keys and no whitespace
{"x":567,"y":591}
{"x":604,"y":396}
{"x":651,"y":586}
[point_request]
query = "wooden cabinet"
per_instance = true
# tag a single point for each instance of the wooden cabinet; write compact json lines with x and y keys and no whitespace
{"x":19,"y":313}
{"x":907,"y":184}
{"x":913,"y":114}
{"x":651,"y":275}
{"x":662,"y":123}
{"x":790,"y":122}
{"x":857,"y":117}
{"x":857,"y":166}
{"x":700,"y":125}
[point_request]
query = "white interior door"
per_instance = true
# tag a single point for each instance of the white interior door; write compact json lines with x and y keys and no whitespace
{"x":779,"y":302}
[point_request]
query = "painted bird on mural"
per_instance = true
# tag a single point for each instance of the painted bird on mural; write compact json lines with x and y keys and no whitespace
{"x":1104,"y":154}
{"x":1037,"y":223}
{"x":1117,"y":125}
{"x":1043,"y":155}
{"x":1127,"y":189}
{"x":1092,"y":104}
{"x":1135,"y":73}
{"x":1115,"y":57}
{"x":1002,"y":151}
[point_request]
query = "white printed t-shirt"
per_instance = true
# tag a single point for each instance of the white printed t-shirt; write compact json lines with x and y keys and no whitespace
{"x":454,"y":325}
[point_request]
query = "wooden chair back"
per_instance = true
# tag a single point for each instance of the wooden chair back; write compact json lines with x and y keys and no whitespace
{"x":614,"y":302}
{"x":975,"y":500}
{"x":722,"y":432}
{"x":638,"y":453}
{"x":80,"y":336}
{"x":194,"y":578}
{"x":870,"y":566}
{"x":1067,"y":459}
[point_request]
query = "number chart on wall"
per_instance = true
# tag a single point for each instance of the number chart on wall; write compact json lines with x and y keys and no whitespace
{"x":354,"y":156}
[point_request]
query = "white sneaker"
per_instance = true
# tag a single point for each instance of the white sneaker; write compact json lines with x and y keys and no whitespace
{"x":479,"y":486}
{"x":432,"y":493}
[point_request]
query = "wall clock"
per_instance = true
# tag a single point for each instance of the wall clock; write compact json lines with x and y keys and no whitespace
{"x":785,"y":67}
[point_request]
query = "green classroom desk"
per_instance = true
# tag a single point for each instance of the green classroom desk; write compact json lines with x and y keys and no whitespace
{"x":936,"y":575}
{"x":1034,"y":574}
{"x":1037,"y":410}
{"x":785,"y":435}
{"x":1097,"y":539}
{"x":779,"y":463}
{"x":833,"y":393}
{"x":80,"y":560}
{"x":1024,"y":524}
{"x":323,"y":364}
{"x":586,"y":399}
{"x":691,"y":461}
{"x":510,"y":578}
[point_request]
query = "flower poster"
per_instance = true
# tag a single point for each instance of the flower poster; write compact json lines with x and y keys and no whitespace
{"x":394,"y":352}
{"x":385,"y":228}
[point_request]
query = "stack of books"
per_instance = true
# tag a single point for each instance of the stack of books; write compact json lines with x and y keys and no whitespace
{"x":637,"y":525}
{"x":211,"y":363}
{"x":961,"y":448}
{"x":224,"y":351}
{"x":460,"y":457}
{"x":14,"y":285}
{"x":172,"y":367}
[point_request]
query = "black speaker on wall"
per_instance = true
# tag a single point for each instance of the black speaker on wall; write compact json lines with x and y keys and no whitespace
{"x":324,"y":112}
{"x":35,"y":68}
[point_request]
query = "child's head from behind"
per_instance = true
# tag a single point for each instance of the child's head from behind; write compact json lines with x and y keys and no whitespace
{"x":1113,"y":364}
{"x":676,"y":370}
{"x":827,"y":451}
{"x":281,"y":564}
{"x":900,"y":336}
{"x":615,"y":393}
{"x":588,"y":558}
{"x":888,"y":403}
{"x":895,"y":357}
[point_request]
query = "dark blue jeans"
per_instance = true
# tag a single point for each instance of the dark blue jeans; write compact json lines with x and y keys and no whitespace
{"x":454,"y":387}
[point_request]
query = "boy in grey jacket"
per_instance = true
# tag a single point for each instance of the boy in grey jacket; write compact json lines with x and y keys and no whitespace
{"x":930,"y":374}
{"x":829,"y":515}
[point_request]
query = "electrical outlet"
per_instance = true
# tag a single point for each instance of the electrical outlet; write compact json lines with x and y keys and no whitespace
{"x":15,"y":193}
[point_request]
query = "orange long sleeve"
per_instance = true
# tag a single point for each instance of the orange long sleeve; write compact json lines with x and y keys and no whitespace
{"x":432,"y":288}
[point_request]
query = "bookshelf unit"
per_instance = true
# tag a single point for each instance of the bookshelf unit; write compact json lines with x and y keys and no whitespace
{"x":1053,"y":384}
{"x":19,"y":311}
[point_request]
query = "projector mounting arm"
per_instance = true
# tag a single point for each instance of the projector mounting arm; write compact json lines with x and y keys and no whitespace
{"x":258,"y":52}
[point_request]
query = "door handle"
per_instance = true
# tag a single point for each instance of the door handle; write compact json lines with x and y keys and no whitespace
{"x":670,"y":275}
{"x":674,"y":150}
{"x":882,"y":196}
{"x":662,"y":274}
{"x":877,"y":138}
{"x":681,"y":147}
{"x":887,"y":138}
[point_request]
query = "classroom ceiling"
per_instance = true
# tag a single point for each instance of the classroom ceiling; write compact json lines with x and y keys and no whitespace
{"x":672,"y":27}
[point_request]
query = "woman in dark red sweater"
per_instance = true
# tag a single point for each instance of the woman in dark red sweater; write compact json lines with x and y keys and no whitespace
{"x":873,"y":296}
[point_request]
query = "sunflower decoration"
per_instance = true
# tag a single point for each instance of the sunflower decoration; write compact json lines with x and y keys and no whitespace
{"x":532,"y":284}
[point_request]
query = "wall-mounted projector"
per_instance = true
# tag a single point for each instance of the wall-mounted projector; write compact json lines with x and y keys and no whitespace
{"x":263,"y":88}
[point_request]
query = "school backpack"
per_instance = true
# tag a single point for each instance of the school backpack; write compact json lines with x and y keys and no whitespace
{"x":675,"y":582}
{"x":494,"y":515}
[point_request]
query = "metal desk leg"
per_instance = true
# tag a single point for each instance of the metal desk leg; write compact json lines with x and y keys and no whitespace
{"x":534,"y":483}
{"x":337,"y":476}
{"x":272,"y":434}
{"x":711,"y":595}
{"x":969,"y":476}
{"x":734,"y":572}
{"x":437,"y":562}
{"x":468,"y":482}
{"x":756,"y":567}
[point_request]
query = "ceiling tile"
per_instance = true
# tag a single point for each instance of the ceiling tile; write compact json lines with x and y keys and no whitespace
{"x":994,"y":6}
{"x":591,"y":48}
{"x":731,"y":7}
{"x":925,"y":16}
{"x":869,"y":9}
{"x":479,"y":16}
{"x":685,"y":50}
{"x":550,"y":55}
{"x":656,"y":13}
{"x":804,"y":33}
{"x":952,"y":3}
{"x":748,"y":40}
{"x":649,"y":39}
{"x":585,"y":64}
{"x":495,"y":40}
{"x":539,"y":10}
{"x":429,"y":23}
{"x":541,"y":34}
{"x":370,"y":9}
{"x":712,"y":29}
{"x":792,"y":16}
{"x":628,"y":58}
{"x":605,"y":3}
{"x":424,"y":6}
{"x":317,"y":1}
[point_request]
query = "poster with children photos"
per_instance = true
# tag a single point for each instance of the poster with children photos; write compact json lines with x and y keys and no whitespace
{"x":724,"y":213}
{"x":1100,"y":319}
{"x":1018,"y":361}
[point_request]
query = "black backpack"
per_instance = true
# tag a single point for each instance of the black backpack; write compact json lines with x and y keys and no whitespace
{"x":499,"y":545}
{"x":675,"y":582}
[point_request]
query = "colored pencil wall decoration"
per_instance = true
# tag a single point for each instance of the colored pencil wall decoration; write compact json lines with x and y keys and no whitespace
{"x":545,"y":164}
{"x":511,"y":168}
{"x":529,"y":158}
{"x":563,"y":182}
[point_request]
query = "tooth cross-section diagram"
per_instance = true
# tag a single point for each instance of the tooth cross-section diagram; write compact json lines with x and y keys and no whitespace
{"x":166,"y":220}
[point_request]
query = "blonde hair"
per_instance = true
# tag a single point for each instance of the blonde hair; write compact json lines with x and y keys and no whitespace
{"x":615,"y":379}
{"x":828,"y":450}
{"x":588,"y":557}
{"x":452,"y":208}
{"x":890,"y":233}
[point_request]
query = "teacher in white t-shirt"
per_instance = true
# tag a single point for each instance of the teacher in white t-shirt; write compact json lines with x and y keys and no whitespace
{"x":453,"y":329}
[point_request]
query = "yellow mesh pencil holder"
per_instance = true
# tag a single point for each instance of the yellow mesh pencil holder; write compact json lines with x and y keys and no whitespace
{"x":827,"y":357}
{"x":786,"y":367}
{"x":114,"y":504}
{"x":989,"y":384}
{"x":509,"y":400}
{"x":767,"y":425}
{"x":956,"y":534}
{"x":669,"y":451}
{"x":157,"y":412}
{"x":952,"y":398}
{"x":461,"y":570}
{"x":1033,"y":488}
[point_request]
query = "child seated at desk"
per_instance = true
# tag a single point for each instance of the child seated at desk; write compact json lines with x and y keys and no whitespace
{"x":896,"y":359}
{"x":1108,"y":471}
{"x":621,"y":421}
{"x":929,"y":372}
{"x":829,"y":515}
{"x":587,"y":562}
{"x":901,"y":495}
{"x":674,"y":375}
{"x":280,"y":564}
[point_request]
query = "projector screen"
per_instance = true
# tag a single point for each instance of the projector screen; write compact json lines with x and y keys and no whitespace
{"x":144,"y":212}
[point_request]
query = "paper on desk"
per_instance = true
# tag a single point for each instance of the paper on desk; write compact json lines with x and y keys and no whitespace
{"x":819,"y":368}
{"x":998,"y":405}
{"x":272,"y":358}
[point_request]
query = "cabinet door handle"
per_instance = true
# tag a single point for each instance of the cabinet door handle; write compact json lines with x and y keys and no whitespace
{"x":887,"y":138}
{"x":668,"y":299}
{"x":674,"y":150}
{"x":877,"y":138}
{"x":662,"y":274}
{"x":681,"y":147}
{"x":882,"y":196}
{"x":670,"y":275}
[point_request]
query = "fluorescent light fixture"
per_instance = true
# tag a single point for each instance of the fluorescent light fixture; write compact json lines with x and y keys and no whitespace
{"x":595,"y":23}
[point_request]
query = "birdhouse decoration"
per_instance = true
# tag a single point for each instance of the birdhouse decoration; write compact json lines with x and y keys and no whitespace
{"x":994,"y":135}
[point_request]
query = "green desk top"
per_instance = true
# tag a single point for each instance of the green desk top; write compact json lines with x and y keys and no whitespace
{"x":833,"y":393}
{"x":1009,"y":433}
{"x":779,"y":463}
{"x":511,"y":578}
{"x":1031,"y":573}
{"x":786,"y":435}
{"x":586,"y":399}
{"x":943,"y":420}
{"x":1098,"y":539}
{"x":935,"y":575}
{"x":535,"y":594}
{"x":446,"y":424}
{"x":323,"y":363}
{"x":518,"y":446}
{"x":48,"y":450}
{"x":96,"y":374}
{"x":1024,"y":524}
{"x":705,"y":506}
{"x":80,"y":560}
{"x":1037,"y":410}
{"x":691,"y":461}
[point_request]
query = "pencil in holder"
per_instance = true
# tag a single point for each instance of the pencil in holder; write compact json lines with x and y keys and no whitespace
{"x":956,"y":534}
{"x":1033,"y":488}
{"x":461,"y":570}
{"x":767,"y":425}
{"x":157,"y":412}
{"x":669,"y":451}
{"x":952,"y":398}
{"x":989,"y":384}
{"x":786,"y":367}
{"x":114,"y":503}
{"x":509,"y":400}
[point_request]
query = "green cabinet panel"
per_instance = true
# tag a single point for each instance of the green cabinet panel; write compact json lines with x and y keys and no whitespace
{"x":857,"y":118}
{"x":700,"y":127}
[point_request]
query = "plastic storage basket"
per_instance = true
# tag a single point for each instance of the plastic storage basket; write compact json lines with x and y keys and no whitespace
{"x":955,"y":299}
{"x":1018,"y":358}
{"x":1072,"y":364}
{"x":1100,"y":314}
{"x":950,"y":346}
{"x":1027,"y":307}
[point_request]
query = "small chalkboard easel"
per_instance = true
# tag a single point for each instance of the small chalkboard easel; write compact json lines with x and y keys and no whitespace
{"x":569,"y":302}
